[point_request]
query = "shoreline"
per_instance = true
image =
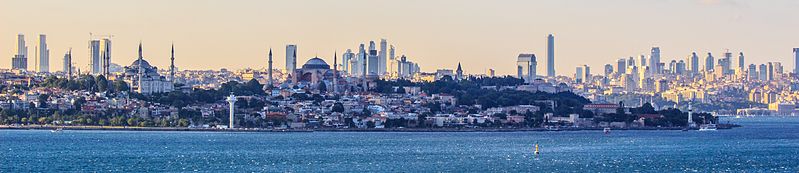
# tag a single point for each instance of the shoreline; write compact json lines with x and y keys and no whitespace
{"x":126,"y":128}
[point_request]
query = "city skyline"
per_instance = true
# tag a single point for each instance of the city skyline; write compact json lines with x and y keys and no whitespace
{"x":481,"y":40}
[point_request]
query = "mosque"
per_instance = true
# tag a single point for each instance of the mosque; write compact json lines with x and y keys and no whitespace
{"x":144,"y":78}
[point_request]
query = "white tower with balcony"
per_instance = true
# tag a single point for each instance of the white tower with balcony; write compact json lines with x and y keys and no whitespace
{"x":232,"y":100}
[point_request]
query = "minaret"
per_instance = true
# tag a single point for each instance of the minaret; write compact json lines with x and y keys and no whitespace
{"x":232,"y":101}
{"x":335,"y":72}
{"x":365,"y":88}
{"x":270,"y":84}
{"x":172,"y":66}
{"x":140,"y":71}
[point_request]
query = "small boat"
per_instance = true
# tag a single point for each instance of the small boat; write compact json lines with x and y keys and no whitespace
{"x":708,"y":127}
{"x":606,"y":130}
{"x":536,"y":149}
{"x":57,"y":130}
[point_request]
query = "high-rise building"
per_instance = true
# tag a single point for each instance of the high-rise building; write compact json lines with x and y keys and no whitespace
{"x":94,"y":56}
{"x":770,"y":73}
{"x":526,"y":67}
{"x":631,"y":61}
{"x":726,"y":62}
{"x":550,"y":55}
{"x":621,"y":66}
{"x":608,"y":70}
{"x":741,"y":60}
{"x":347,"y":57}
{"x":578,"y":75}
{"x":44,"y":54}
{"x":673,"y":67}
{"x":796,"y":61}
{"x":763,"y":75}
{"x":654,"y":60}
{"x":373,"y":60}
{"x":392,"y":61}
{"x":642,"y":60}
{"x":709,"y":62}
{"x":694,"y":63}
{"x":680,"y":68}
{"x":752,"y":72}
{"x":586,"y":74}
{"x":20,"y":60}
{"x":68,"y":63}
{"x":291,"y":58}
{"x":105,"y":56}
{"x":382,"y":58}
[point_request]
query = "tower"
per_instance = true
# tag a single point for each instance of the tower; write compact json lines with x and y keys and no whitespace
{"x":459,"y":73}
{"x":551,"y":56}
{"x":172,"y":65}
{"x":382,"y":59}
{"x":335,"y":72}
{"x":741,"y":60}
{"x":291,"y":58}
{"x":709,"y":62}
{"x":232,"y":102}
{"x":44,"y":54}
{"x":654,"y":60}
{"x":94,"y":56}
{"x":694,"y":62}
{"x":796,"y":61}
{"x":691,"y":116}
{"x":20,"y":60}
{"x":270,"y":84}
{"x":68,"y":64}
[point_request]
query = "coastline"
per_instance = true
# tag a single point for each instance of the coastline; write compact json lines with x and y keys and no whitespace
{"x":127,"y":128}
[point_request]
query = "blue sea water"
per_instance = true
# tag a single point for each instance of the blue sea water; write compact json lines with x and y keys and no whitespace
{"x":761,"y":145}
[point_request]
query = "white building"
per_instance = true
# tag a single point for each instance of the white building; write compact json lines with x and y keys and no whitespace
{"x":144,"y":78}
{"x":291,"y":58}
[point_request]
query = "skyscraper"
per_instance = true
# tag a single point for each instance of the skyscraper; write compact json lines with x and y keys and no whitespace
{"x":694,"y":62}
{"x":105,"y":56}
{"x":796,"y":61}
{"x":752,"y":72}
{"x":44,"y":54}
{"x":763,"y":75}
{"x":94,"y":56}
{"x":654,"y":60}
{"x":550,"y":55}
{"x":587,"y":74}
{"x":643,"y":61}
{"x":382,"y":58}
{"x":20,"y":60}
{"x":709,"y":62}
{"x":621,"y":66}
{"x":373,"y":60}
{"x":392,"y":61}
{"x":608,"y":70}
{"x":291,"y":58}
{"x":578,"y":75}
{"x":348,"y":58}
{"x":741,"y":60}
{"x":68,"y":64}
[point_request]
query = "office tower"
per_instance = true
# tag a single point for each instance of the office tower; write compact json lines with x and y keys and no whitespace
{"x":382,"y":59}
{"x":526,"y":63}
{"x":673,"y":67}
{"x":621,"y":66}
{"x":752,"y":72}
{"x":291,"y":58}
{"x":392,"y":61}
{"x":709,"y":62}
{"x":654,"y":60}
{"x":94,"y":56}
{"x":770,"y":71}
{"x":608,"y":70}
{"x":68,"y":64}
{"x":359,"y":63}
{"x":44,"y":54}
{"x":490,"y":72}
{"x":373,"y":60}
{"x":694,"y":63}
{"x":726,"y":62}
{"x":586,"y":74}
{"x":105,"y":56}
{"x":680,"y":67}
{"x":642,"y":60}
{"x":741,"y":60}
{"x":20,"y":60}
{"x":631,"y":61}
{"x":763,"y":72}
{"x":345,"y":62}
{"x":269,"y":70}
{"x":550,"y":55}
{"x":172,"y":65}
{"x":796,"y":61}
{"x":578,"y":75}
{"x":777,"y":69}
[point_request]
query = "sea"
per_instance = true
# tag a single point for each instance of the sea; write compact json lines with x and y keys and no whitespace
{"x":762,"y":144}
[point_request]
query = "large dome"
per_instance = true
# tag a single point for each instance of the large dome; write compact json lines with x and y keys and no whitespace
{"x":315,"y":63}
{"x":144,"y":64}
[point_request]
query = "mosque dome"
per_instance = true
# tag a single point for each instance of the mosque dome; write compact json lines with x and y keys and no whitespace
{"x":315,"y":63}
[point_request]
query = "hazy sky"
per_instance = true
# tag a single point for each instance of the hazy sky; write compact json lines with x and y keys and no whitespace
{"x":482,"y":34}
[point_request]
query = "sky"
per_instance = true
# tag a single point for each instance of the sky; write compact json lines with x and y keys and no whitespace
{"x":437,"y":34}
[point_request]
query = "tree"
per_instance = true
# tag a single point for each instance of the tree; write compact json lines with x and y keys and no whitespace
{"x":322,"y":87}
{"x":120,"y":85}
{"x":338,"y":107}
{"x":102,"y":83}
